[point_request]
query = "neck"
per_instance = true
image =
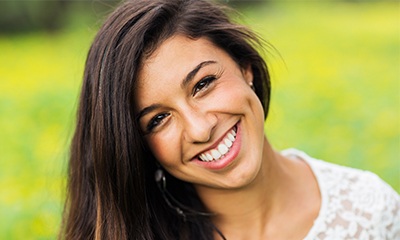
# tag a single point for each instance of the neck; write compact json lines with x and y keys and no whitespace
{"x":259,"y":203}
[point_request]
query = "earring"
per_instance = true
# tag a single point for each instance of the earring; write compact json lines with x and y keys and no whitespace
{"x":252,"y":86}
{"x":162,"y":185}
{"x":160,"y":177}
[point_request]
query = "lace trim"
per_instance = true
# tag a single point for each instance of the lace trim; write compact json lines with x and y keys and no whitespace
{"x":355,"y":204}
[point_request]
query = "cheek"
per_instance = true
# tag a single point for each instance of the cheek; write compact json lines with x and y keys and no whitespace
{"x":237,"y":95}
{"x":165,"y":149}
{"x":242,"y":100}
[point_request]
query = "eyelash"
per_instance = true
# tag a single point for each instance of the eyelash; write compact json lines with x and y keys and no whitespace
{"x":155,"y":121}
{"x":200,"y":86}
{"x":203,"y":83}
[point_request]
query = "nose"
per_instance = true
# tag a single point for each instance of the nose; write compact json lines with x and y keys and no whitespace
{"x":198,"y":126}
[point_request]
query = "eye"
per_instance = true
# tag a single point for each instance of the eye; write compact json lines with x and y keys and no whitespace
{"x":203,"y":84}
{"x":156,"y":121}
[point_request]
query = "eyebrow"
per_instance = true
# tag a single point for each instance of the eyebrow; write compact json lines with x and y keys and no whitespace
{"x":189,"y":77}
{"x":186,"y":81}
{"x":147,"y":110}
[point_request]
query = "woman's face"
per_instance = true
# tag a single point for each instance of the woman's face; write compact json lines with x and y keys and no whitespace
{"x":201,"y":119}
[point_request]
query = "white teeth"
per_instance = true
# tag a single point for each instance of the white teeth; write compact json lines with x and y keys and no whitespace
{"x":228,"y":142}
{"x":233,"y":133}
{"x":216,"y":155}
{"x":231,"y":137}
{"x":221,"y":150}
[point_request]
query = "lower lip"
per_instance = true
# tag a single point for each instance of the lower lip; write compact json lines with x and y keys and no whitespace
{"x":228,"y":158}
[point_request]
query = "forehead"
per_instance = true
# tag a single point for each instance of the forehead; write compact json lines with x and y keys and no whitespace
{"x":175,"y":57}
{"x":169,"y":64}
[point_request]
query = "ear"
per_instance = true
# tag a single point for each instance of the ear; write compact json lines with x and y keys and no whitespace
{"x":247,"y":73}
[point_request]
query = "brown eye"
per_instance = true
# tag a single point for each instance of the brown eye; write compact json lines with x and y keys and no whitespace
{"x":203,"y":84}
{"x":155,"y":121}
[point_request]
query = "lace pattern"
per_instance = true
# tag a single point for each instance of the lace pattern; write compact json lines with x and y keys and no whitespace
{"x":355,"y":204}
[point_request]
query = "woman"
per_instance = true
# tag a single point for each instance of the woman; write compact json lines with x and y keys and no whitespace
{"x":170,"y":143}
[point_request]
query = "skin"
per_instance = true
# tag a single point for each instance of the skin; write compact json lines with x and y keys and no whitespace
{"x":259,"y":193}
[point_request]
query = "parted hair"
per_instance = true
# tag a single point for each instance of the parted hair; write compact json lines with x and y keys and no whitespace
{"x":111,"y":191}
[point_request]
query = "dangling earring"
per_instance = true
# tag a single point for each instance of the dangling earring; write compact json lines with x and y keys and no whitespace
{"x":162,"y":185}
{"x":252,"y":86}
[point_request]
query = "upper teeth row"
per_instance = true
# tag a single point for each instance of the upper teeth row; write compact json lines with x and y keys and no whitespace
{"x":221,"y":150}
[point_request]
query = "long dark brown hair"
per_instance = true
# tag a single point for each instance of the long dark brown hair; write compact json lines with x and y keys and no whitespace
{"x":112,"y":193}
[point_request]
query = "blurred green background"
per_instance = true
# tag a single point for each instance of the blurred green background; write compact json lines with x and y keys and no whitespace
{"x":336,"y":92}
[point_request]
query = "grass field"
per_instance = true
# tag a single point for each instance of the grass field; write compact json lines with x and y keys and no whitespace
{"x":336,"y":95}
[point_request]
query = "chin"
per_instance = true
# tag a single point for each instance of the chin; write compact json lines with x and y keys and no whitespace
{"x":242,"y":178}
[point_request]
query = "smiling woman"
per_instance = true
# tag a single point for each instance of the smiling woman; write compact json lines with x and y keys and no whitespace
{"x":212,"y":102}
{"x":170,"y":141}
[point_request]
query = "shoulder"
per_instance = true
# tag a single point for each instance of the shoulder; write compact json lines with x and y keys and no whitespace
{"x":355,"y":203}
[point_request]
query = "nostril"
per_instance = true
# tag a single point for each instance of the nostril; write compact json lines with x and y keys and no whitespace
{"x":199,"y":125}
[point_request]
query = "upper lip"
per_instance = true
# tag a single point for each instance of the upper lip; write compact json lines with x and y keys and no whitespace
{"x":216,"y":143}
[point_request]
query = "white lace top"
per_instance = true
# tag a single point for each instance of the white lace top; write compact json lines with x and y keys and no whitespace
{"x":355,"y":204}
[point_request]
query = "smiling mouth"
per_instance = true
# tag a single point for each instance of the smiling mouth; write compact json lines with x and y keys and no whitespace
{"x":223,"y":148}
